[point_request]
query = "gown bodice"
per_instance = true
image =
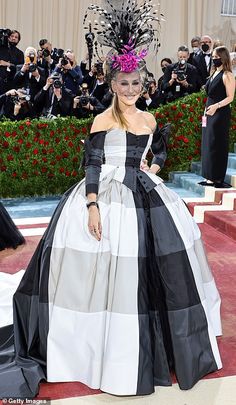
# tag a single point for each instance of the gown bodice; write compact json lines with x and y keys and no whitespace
{"x":119,"y":153}
{"x":123,"y":148}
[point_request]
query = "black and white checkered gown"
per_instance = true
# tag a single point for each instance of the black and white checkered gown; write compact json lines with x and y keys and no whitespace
{"x":122,"y":313}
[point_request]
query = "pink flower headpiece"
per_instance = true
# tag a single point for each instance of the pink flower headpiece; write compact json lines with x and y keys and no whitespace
{"x":129,"y":60}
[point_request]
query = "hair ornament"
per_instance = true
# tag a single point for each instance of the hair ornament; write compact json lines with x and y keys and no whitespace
{"x":124,"y":28}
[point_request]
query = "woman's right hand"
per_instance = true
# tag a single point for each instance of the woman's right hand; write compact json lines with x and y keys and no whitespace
{"x":94,"y":222}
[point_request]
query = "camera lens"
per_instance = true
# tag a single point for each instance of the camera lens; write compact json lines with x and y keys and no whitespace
{"x":64,"y":61}
{"x":57,"y":84}
{"x":84,"y":100}
{"x":32,"y":67}
{"x":45,"y":53}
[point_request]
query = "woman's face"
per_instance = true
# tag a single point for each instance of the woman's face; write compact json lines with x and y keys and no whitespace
{"x":214,"y":55}
{"x":128,"y":87}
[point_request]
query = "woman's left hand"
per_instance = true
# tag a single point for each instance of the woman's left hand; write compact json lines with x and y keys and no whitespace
{"x":211,"y":109}
{"x":144,"y":165}
{"x":154,"y":169}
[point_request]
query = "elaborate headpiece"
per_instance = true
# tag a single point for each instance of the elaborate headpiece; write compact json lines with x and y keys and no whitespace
{"x":124,"y":30}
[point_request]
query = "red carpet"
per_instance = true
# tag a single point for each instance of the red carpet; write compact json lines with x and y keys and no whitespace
{"x":221,"y":252}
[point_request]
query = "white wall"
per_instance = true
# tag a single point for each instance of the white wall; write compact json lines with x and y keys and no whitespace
{"x":61,"y":22}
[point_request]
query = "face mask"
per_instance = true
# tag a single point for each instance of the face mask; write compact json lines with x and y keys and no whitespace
{"x":163,"y":69}
{"x":217,"y":62}
{"x":182,"y":61}
{"x":195,"y":49}
{"x":205,"y":47}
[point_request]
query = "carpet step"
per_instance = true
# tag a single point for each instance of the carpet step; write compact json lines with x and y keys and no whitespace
{"x":217,"y":240}
{"x":225,"y":222}
{"x":224,"y":200}
{"x":193,"y":205}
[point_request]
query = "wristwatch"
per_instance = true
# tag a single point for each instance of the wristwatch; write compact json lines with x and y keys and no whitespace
{"x":89,"y":204}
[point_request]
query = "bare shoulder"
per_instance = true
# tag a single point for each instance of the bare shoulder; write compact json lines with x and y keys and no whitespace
{"x":150,"y":119}
{"x":228,"y":76}
{"x":102,"y":122}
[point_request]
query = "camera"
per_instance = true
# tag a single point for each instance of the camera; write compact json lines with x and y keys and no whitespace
{"x":180,"y":75}
{"x":45,"y":53}
{"x":57,"y":84}
{"x":60,"y":53}
{"x":24,"y":96}
{"x":84,"y":100}
{"x":32,"y":67}
{"x":180,"y":71}
{"x":4,"y":34}
{"x":64,"y":61}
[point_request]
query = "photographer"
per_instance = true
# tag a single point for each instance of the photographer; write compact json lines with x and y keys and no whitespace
{"x":29,"y":75}
{"x":95,"y":79}
{"x":150,"y":97}
{"x":54,"y":99}
{"x":85,"y":105}
{"x":10,"y":56}
{"x":49,"y":56}
{"x":181,"y":78}
{"x":70,"y":71}
{"x":16,"y":105}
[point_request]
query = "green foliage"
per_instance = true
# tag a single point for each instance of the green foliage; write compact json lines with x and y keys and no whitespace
{"x":43,"y":157}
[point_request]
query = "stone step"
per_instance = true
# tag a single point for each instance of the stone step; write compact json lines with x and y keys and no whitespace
{"x":30,"y":207}
{"x":231,"y":168}
{"x":188,"y":181}
{"x":196,"y":167}
{"x":225,"y":222}
{"x":232,"y":161}
{"x":182,"y":192}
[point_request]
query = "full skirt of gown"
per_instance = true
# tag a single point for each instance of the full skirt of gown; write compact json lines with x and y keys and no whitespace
{"x":121,"y":314}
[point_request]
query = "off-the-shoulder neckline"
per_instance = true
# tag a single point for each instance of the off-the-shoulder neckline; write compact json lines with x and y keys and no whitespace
{"x":124,"y":130}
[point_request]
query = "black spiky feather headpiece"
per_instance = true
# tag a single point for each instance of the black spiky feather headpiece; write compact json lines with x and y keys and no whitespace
{"x":131,"y":23}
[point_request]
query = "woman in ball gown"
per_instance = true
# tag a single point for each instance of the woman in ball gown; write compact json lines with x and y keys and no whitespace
{"x":215,"y":131}
{"x":10,"y":236}
{"x":118,"y":294}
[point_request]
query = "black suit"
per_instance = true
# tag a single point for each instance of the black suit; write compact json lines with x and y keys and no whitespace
{"x":177,"y":90}
{"x":46,"y":102}
{"x":7,"y":110}
{"x":26,"y":80}
{"x":200,"y":63}
{"x":15,"y":56}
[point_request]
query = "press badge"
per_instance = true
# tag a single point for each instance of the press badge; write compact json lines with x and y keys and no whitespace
{"x":204,"y":121}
